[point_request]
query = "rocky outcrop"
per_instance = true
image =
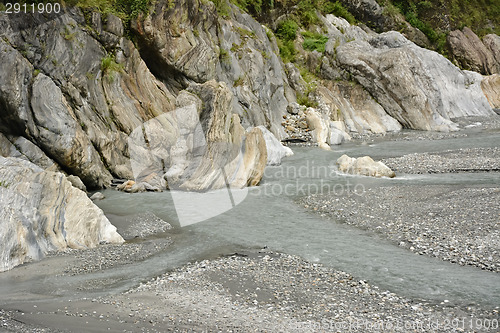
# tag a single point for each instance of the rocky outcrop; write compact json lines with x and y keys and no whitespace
{"x":72,"y":102}
{"x":40,"y":211}
{"x":492,"y":43}
{"x":470,"y":53}
{"x":71,"y":98}
{"x":352,"y":105}
{"x":79,"y":95}
{"x":364,"y":166}
{"x":179,"y":42}
{"x":199,"y":146}
{"x":376,"y":16}
{"x":419,"y":88}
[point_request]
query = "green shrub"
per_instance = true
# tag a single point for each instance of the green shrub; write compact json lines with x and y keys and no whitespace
{"x":287,"y":50}
{"x":287,"y":30}
{"x":109,"y":67}
{"x":224,"y":56}
{"x":307,"y":12}
{"x":314,"y":41}
{"x":254,"y":6}
{"x":337,"y":9}
{"x":304,"y":99}
{"x":238,"y":82}
{"x":222,"y":7}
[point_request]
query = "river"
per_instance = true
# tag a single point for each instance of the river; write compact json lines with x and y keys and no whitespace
{"x":268,"y":216}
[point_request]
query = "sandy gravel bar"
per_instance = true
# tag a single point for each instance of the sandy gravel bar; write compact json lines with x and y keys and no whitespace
{"x":452,"y":161}
{"x":454,"y":223}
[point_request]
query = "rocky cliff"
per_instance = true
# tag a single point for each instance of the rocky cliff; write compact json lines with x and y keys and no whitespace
{"x":74,"y":88}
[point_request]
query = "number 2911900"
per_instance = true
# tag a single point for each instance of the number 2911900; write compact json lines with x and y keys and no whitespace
{"x":16,"y":8}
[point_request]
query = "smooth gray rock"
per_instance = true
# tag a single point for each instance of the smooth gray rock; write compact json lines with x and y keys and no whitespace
{"x":236,"y":51}
{"x":97,"y":196}
{"x":197,"y":147}
{"x":419,"y":88}
{"x":297,"y":83}
{"x":82,"y":113}
{"x":77,"y":182}
{"x":40,"y":211}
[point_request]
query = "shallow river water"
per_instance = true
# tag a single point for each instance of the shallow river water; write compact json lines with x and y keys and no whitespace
{"x":269,"y":216}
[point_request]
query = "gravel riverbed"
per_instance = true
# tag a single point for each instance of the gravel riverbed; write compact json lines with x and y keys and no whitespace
{"x":265,"y":291}
{"x":451,"y":161}
{"x":259,"y":291}
{"x":453,"y":223}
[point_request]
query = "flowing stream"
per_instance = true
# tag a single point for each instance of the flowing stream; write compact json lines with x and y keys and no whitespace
{"x":269,"y":216}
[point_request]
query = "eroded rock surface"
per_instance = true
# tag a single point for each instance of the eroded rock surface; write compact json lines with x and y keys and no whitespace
{"x":419,"y":88}
{"x":470,"y":52}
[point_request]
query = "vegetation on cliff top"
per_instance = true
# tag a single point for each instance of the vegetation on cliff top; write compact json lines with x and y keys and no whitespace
{"x":124,"y":9}
{"x":435,"y":18}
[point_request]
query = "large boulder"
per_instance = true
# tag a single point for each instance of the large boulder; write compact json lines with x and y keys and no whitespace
{"x":419,"y":88}
{"x":365,"y":166}
{"x":320,"y":127}
{"x":40,"y":211}
{"x":199,"y":146}
{"x":471,"y":53}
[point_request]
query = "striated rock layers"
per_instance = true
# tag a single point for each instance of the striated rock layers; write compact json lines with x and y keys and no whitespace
{"x":76,"y":95}
{"x":195,"y":103}
{"x":419,"y":88}
{"x":79,"y":90}
{"x":40,"y":211}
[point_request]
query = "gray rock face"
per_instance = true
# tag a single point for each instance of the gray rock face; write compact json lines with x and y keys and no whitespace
{"x":419,"y":88}
{"x":492,"y":43}
{"x":41,"y":211}
{"x":25,"y":149}
{"x":181,"y":43}
{"x":80,"y":110}
{"x":355,"y":108}
{"x":472,"y":54}
{"x":374,"y":15}
{"x":85,"y":103}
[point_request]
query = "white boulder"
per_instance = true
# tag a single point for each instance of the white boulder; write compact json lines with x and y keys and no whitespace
{"x":365,"y":166}
{"x":40,"y":211}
